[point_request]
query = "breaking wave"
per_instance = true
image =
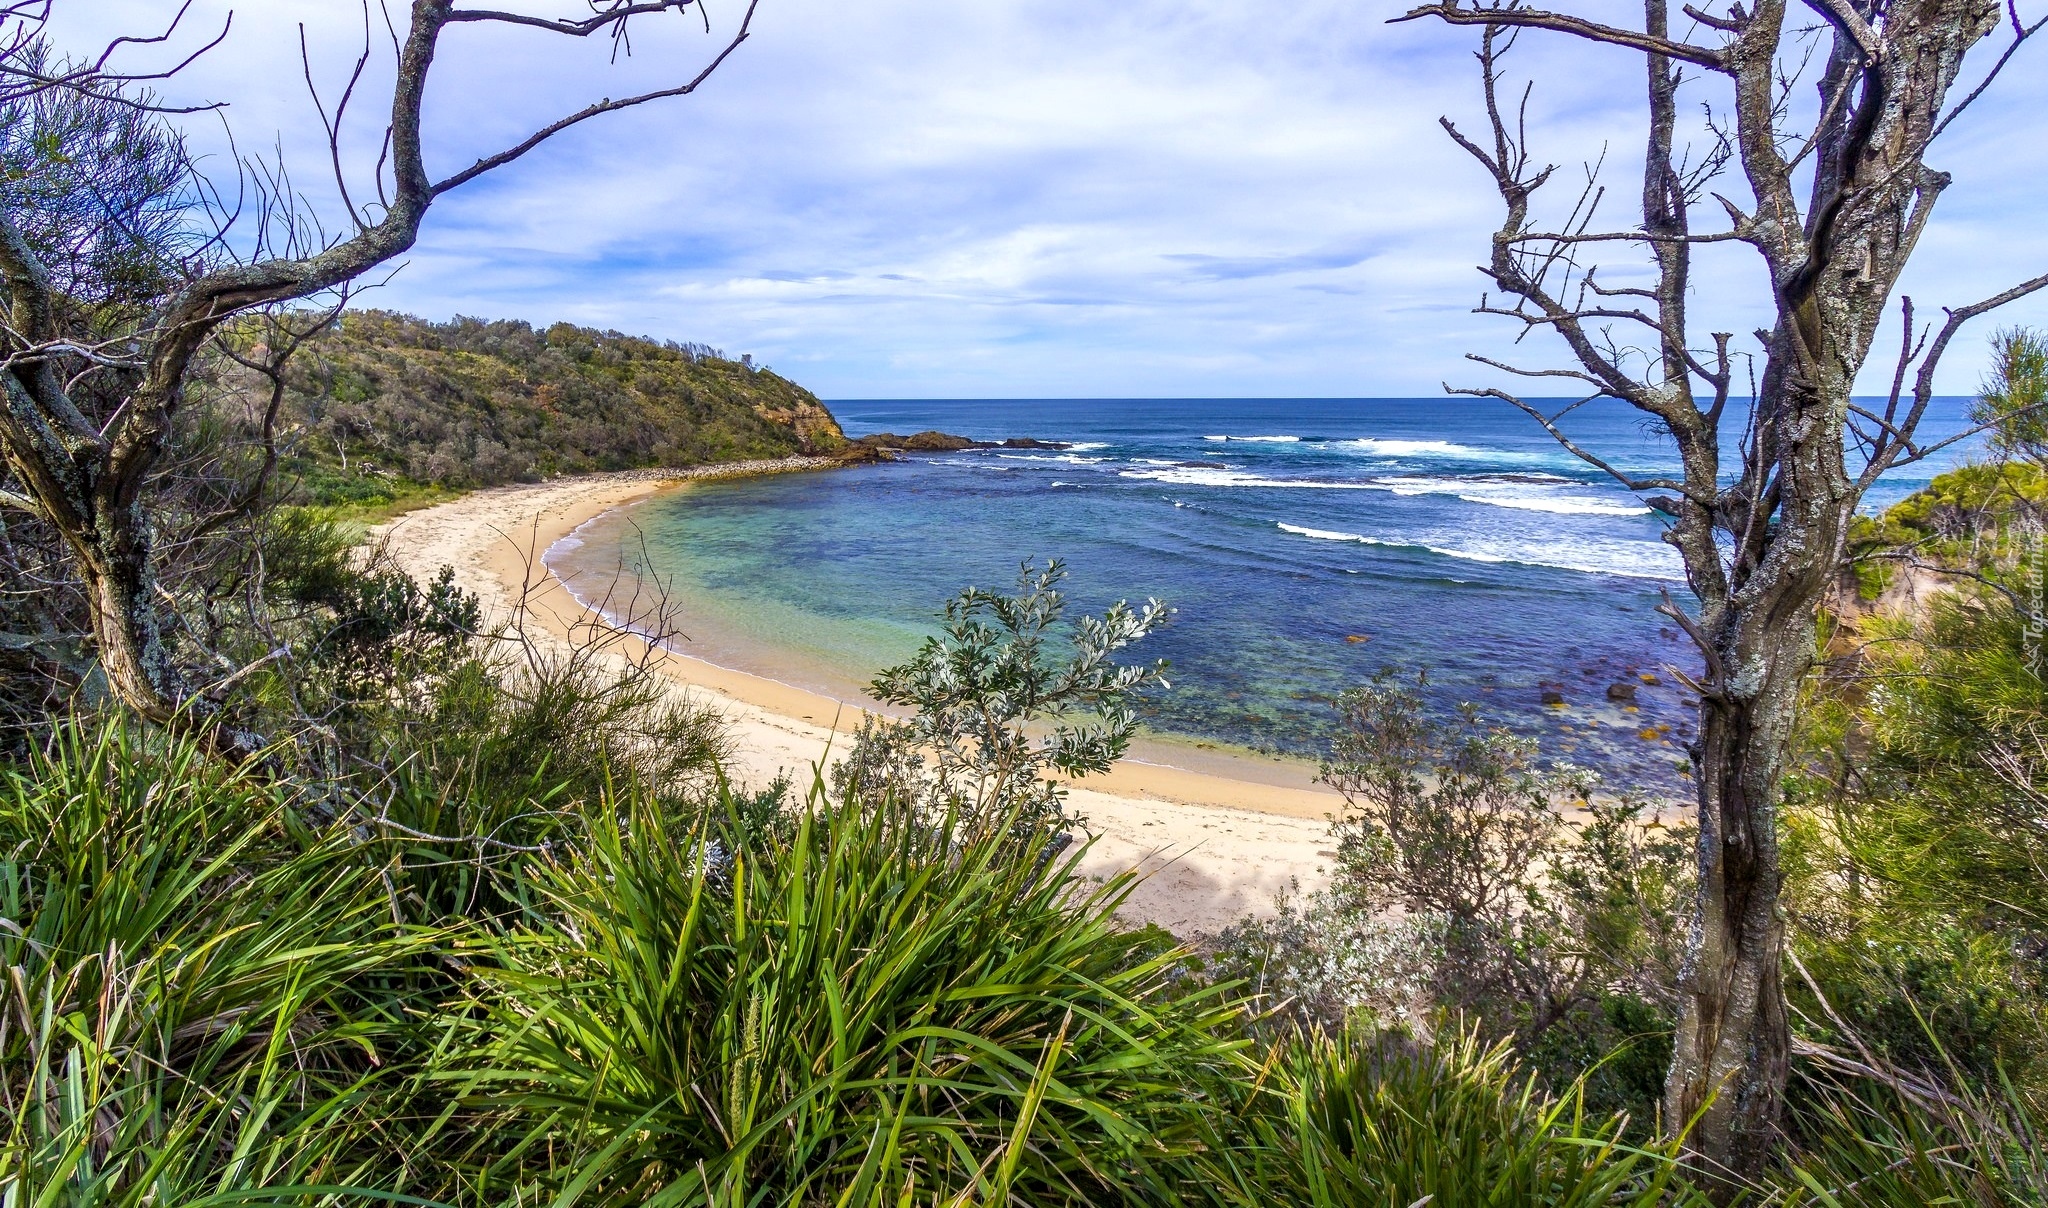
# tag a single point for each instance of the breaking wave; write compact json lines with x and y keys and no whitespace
{"x":1621,"y":558}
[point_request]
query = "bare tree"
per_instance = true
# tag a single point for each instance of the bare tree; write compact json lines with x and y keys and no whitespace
{"x":88,"y":471}
{"x":1832,"y":195}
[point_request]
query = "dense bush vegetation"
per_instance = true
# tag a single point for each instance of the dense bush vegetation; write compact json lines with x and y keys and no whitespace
{"x":503,"y":934}
{"x":380,"y":400}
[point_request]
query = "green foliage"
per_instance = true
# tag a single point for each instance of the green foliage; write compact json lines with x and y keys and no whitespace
{"x":842,"y":1017}
{"x":1003,"y":664}
{"x":1917,"y":867}
{"x":1976,"y":517}
{"x":1455,"y":824}
{"x":99,"y":186}
{"x":209,"y":1003}
{"x":1915,"y":856}
{"x":1972,"y":516}
{"x":1463,"y":889}
{"x":1870,"y":1147}
{"x":381,"y":403}
{"x":496,"y":931}
{"x":1360,"y":1118}
{"x":2014,"y":400}
{"x":200,"y":991}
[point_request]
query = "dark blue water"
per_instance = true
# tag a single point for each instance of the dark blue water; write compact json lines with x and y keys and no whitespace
{"x":1306,"y":544}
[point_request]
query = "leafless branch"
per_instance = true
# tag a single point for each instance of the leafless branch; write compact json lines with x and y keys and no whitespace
{"x":1506,"y":13}
{"x":2020,"y":35}
{"x":547,"y":132}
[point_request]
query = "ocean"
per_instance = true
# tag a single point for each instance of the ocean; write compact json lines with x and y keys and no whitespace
{"x":1305,"y":544}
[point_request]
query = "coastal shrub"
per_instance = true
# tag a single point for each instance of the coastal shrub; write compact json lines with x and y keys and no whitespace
{"x":208,"y":1002}
{"x":875,"y":1010}
{"x":467,"y":750}
{"x":1462,"y":888}
{"x":1915,"y":857}
{"x":497,"y":762}
{"x":1456,"y":819}
{"x":2015,"y":395}
{"x":1005,"y":701}
{"x":202,"y":995}
{"x":1322,"y":960}
{"x":381,"y":403}
{"x":1368,"y":1117}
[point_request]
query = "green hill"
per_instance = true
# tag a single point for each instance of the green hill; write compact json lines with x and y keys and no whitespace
{"x":381,"y":404}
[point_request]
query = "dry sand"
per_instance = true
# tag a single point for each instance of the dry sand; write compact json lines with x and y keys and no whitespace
{"x":1217,"y":841}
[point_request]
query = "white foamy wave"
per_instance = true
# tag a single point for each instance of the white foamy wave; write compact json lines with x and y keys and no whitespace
{"x":1087,"y":446}
{"x":1258,"y":440}
{"x":1373,"y":446}
{"x":1201,"y":477}
{"x":1362,"y":539}
{"x":1326,"y":534}
{"x":1558,"y":496}
{"x":1624,"y":559}
{"x":1065,"y":458}
{"x":573,"y":540}
{"x":1415,"y":448}
{"x":1560,"y":507}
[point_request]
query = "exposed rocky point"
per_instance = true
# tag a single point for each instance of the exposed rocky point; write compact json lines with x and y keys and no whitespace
{"x":933,"y":441}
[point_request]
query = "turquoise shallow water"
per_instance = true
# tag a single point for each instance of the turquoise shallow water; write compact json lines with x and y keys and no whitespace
{"x":1305,"y":543}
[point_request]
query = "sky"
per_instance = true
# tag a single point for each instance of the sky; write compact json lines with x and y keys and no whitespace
{"x":1001,"y":199}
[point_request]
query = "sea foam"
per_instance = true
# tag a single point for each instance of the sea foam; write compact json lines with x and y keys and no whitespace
{"x":1622,"y":558}
{"x":1204,"y":477}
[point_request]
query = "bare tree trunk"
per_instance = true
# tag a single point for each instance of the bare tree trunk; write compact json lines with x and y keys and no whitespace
{"x":1762,"y":544}
{"x":1731,"y":1055}
{"x":116,"y":563}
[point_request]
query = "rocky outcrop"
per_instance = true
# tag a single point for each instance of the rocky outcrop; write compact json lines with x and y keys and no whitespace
{"x":817,"y":433}
{"x":945,"y":442}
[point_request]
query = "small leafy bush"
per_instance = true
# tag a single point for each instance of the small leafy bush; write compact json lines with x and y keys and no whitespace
{"x":1004,"y":702}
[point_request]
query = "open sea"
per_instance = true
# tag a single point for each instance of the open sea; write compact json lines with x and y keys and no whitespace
{"x":1305,"y":543}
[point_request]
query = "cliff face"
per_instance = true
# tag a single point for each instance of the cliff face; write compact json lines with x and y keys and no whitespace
{"x":472,"y":403}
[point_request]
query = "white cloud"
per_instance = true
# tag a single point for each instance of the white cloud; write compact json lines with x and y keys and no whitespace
{"x":916,"y":198}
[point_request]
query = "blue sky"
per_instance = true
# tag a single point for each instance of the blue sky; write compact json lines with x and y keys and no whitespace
{"x":914,"y":198}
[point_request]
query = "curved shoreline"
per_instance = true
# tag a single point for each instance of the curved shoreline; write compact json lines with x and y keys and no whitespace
{"x":1220,"y":840}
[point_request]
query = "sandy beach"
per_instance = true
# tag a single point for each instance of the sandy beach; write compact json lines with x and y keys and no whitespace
{"x":1217,"y":836}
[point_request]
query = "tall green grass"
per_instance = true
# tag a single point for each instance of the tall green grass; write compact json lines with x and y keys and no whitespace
{"x":1362,"y":1119}
{"x":198,"y":994}
{"x":868,"y":1013}
{"x":214,"y":990}
{"x":1866,"y":1145}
